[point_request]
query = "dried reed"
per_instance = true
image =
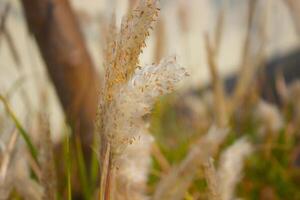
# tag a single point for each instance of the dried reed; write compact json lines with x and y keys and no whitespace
{"x":176,"y":183}
{"x":128,"y":95}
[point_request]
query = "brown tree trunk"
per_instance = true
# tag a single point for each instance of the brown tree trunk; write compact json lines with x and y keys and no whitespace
{"x":54,"y":26}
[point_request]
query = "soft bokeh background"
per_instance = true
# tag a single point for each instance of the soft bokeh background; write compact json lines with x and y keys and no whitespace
{"x":185,"y":22}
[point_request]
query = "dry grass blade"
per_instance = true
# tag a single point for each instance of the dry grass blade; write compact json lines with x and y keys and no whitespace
{"x":13,"y":49}
{"x":218,"y":35}
{"x":294,"y":7}
{"x":250,"y":63}
{"x":158,"y":155}
{"x":218,"y":88}
{"x":4,"y":32}
{"x":15,"y":172}
{"x":246,"y":47}
{"x":212,"y":180}
{"x":18,"y":86}
{"x":281,"y":87}
{"x":7,"y":156}
{"x":176,"y":183}
{"x":212,"y":52}
{"x":245,"y":65}
{"x":34,"y":166}
{"x":104,"y":185}
{"x":15,"y":86}
{"x":47,"y":165}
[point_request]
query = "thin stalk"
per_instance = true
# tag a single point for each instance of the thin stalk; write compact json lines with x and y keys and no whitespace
{"x":212,"y":180}
{"x":84,"y":180}
{"x":246,"y":65}
{"x":105,"y":176}
{"x":218,"y":88}
{"x":94,"y":168}
{"x":68,"y":167}
{"x":7,"y":156}
{"x":33,"y":151}
{"x":160,"y":158}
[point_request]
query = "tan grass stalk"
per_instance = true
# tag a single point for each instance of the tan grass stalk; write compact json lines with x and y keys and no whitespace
{"x":7,"y":155}
{"x":294,"y":101}
{"x":218,"y":88}
{"x":128,"y":136}
{"x":117,"y":55}
{"x":183,"y":16}
{"x":104,"y":186}
{"x":46,"y":161}
{"x":218,"y":33}
{"x":33,"y":165}
{"x":121,"y":60}
{"x":161,"y":159}
{"x":245,"y":66}
{"x":294,"y":7}
{"x":128,"y":95}
{"x":7,"y":35}
{"x":212,"y":51}
{"x":28,"y":189}
{"x":212,"y":180}
{"x":159,"y":41}
{"x":281,"y":87}
{"x":176,"y":183}
{"x":18,"y":178}
{"x":249,"y":63}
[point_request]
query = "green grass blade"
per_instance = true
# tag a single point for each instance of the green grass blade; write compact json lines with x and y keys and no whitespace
{"x":94,"y":168}
{"x":68,"y":166}
{"x":24,"y":134}
{"x":84,"y":180}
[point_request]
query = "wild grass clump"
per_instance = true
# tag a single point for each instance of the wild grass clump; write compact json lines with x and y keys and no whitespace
{"x":128,"y":96}
{"x":218,"y":145}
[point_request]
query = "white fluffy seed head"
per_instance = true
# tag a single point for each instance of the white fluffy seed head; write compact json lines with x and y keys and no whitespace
{"x":231,"y":165}
{"x":125,"y":128}
{"x":125,"y":123}
{"x":268,"y":117}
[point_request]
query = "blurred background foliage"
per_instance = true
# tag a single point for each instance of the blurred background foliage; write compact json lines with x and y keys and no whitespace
{"x":178,"y":120}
